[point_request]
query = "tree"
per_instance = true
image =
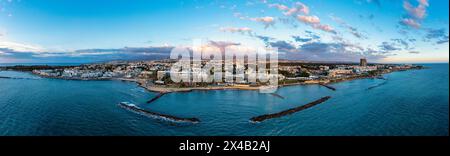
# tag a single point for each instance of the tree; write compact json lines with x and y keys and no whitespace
{"x":304,"y":74}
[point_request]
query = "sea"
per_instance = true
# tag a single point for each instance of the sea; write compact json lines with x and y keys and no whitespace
{"x":407,"y":103}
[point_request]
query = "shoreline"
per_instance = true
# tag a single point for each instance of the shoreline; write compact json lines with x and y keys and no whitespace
{"x":157,"y":89}
{"x":165,"y":89}
{"x":209,"y":88}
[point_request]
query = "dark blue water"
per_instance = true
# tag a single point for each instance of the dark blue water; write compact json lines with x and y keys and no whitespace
{"x":408,"y":103}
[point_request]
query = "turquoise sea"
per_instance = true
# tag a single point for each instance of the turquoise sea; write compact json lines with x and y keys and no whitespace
{"x":409,"y":103}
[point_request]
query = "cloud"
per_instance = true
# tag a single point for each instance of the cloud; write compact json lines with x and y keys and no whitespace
{"x":288,"y":21}
{"x":89,"y":55}
{"x":240,"y":16}
{"x":279,"y":6}
{"x":314,"y":22}
{"x":440,"y":36}
{"x":223,"y":44}
{"x":319,"y":51}
{"x":443,"y":40}
{"x":300,"y":12}
{"x":435,"y":33}
{"x":325,"y":27}
{"x":352,"y":30}
{"x":300,"y":39}
{"x":314,"y":50}
{"x":414,"y":52}
{"x":312,"y":35}
{"x":265,"y":39}
{"x":243,"y":30}
{"x":308,"y":19}
{"x":212,"y":48}
{"x":388,"y":47}
{"x":267,"y":21}
{"x":414,"y":14}
{"x":401,"y":42}
{"x":418,"y":12}
{"x":20,"y":46}
{"x":410,"y":22}
{"x":299,"y":8}
{"x":283,"y":46}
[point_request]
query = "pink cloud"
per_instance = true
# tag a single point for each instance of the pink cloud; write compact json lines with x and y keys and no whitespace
{"x":418,"y":12}
{"x":299,"y":8}
{"x":308,"y":19}
{"x":424,"y":2}
{"x":324,"y":27}
{"x":314,"y":22}
{"x":279,"y":6}
{"x":411,"y":22}
{"x":303,"y":8}
{"x":267,"y":21}
{"x":237,"y":30}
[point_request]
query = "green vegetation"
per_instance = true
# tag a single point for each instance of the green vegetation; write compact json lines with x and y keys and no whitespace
{"x":374,"y":72}
{"x":286,"y":73}
{"x":304,"y":74}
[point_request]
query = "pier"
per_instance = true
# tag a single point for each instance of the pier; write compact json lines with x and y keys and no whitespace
{"x":289,"y":111}
{"x":157,"y":97}
{"x":277,"y":95}
{"x":327,"y":86}
{"x":136,"y":109}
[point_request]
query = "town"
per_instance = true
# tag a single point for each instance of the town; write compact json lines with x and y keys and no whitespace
{"x":156,"y":74}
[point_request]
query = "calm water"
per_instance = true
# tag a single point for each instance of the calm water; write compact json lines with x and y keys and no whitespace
{"x":409,"y":103}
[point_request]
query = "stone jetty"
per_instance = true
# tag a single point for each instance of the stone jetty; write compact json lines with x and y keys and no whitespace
{"x":136,"y":109}
{"x":378,"y":85}
{"x":327,"y":86}
{"x":277,"y":95}
{"x":157,"y":97}
{"x":289,"y":111}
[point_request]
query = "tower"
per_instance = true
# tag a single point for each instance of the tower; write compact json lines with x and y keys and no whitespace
{"x":363,"y":62}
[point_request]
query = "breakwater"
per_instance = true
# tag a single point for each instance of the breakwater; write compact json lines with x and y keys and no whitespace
{"x":157,"y":97}
{"x":277,"y":95}
{"x":289,"y":111}
{"x":327,"y":86}
{"x":19,"y":78}
{"x":136,"y":109}
{"x":381,"y":77}
{"x":378,"y":85}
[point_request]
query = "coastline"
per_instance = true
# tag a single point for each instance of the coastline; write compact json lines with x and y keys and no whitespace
{"x":162,"y":89}
{"x":165,"y":89}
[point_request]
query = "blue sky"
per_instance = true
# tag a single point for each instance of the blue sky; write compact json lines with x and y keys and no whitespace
{"x":319,"y":30}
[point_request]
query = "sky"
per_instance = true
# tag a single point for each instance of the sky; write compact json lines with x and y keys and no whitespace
{"x":67,"y":31}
